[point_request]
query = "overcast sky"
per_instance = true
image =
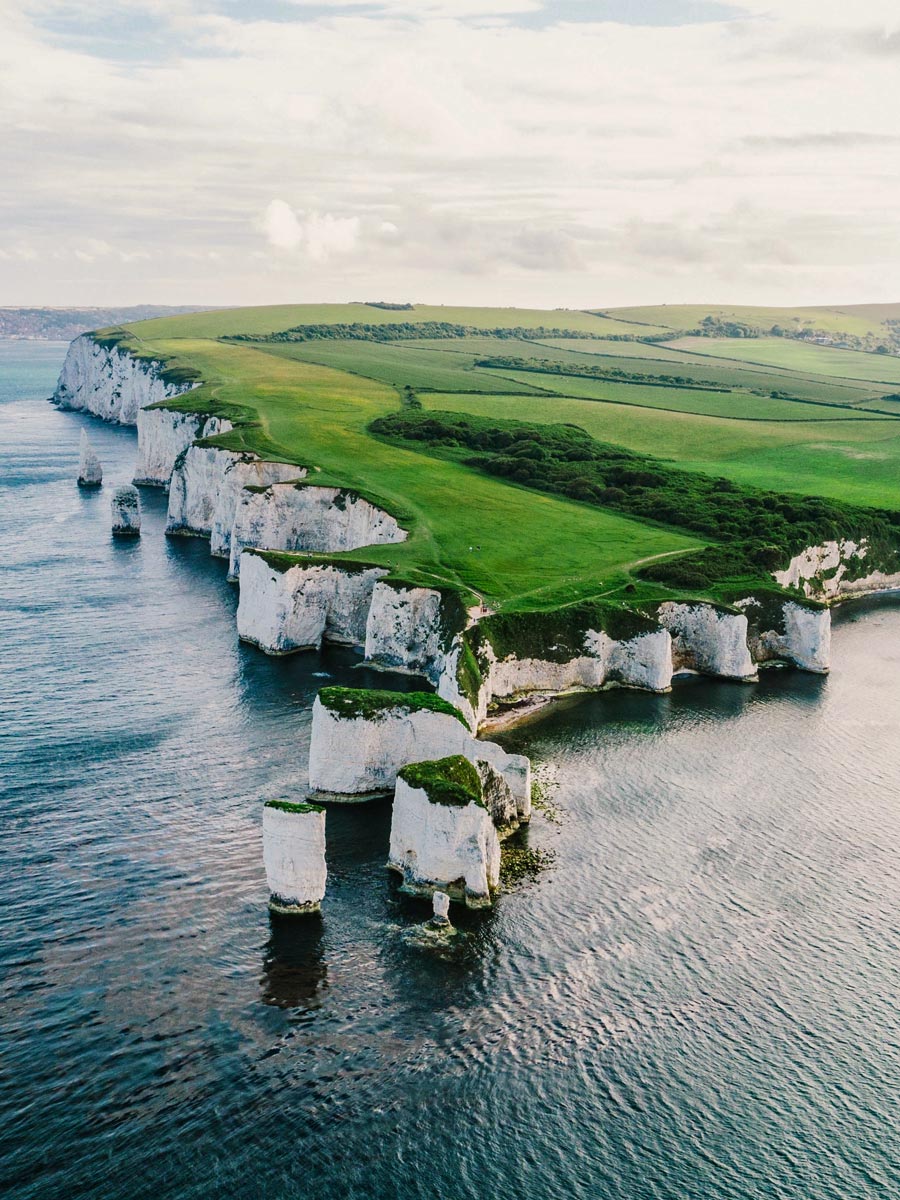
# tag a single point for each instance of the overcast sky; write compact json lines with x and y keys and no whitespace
{"x":532,"y":152}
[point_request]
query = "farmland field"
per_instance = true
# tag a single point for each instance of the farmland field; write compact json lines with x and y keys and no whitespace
{"x":300,"y":392}
{"x":797,"y":356}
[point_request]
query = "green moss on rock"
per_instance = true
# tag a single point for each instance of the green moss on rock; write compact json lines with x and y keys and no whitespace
{"x":559,"y":636}
{"x":289,"y":806}
{"x":452,"y":781}
{"x":375,"y":704}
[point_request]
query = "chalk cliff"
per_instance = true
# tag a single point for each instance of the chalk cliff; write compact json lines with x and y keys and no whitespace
{"x":404,"y":628}
{"x":163,"y":435}
{"x":781,"y":630}
{"x":707,"y":639}
{"x":287,"y":516}
{"x":592,"y":661}
{"x":299,"y":608}
{"x":206,"y":486}
{"x":111,"y":383}
{"x":836,"y":569}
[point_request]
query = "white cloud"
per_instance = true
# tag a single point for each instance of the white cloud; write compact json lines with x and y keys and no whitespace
{"x":320,"y":234}
{"x":450,"y":159}
{"x":281,"y":227}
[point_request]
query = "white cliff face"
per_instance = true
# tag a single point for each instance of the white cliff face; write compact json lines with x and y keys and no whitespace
{"x":403,"y":628}
{"x":644,"y":661}
{"x":821,"y":571}
{"x":708,"y":640}
{"x":294,"y":856}
{"x":443,"y":847}
{"x":90,"y":472}
{"x":163,"y":435}
{"x":357,"y":757}
{"x":803,"y":636}
{"x":111,"y":383}
{"x":205,"y":488}
{"x":283,"y":611}
{"x":321,"y":520}
{"x":126,"y":511}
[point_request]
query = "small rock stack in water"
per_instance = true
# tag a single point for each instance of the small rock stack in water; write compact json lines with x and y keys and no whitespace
{"x":90,"y":472}
{"x":126,"y":511}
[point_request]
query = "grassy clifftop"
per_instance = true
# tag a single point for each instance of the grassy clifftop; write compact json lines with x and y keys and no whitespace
{"x":779,"y":413}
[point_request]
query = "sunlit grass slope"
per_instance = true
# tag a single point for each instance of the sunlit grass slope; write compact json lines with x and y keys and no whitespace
{"x":270,"y":319}
{"x":507,"y":543}
{"x":861,"y":319}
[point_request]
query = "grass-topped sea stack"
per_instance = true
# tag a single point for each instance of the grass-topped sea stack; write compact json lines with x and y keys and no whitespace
{"x":294,"y":856}
{"x":442,"y":835}
{"x":362,"y":737}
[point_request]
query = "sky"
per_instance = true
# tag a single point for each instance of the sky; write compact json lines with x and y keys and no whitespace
{"x":541,"y":153}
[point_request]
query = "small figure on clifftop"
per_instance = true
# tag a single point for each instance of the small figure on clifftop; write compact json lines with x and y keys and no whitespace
{"x":90,"y":472}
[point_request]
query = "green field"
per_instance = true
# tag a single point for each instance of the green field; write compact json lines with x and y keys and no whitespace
{"x":826,"y":432}
{"x":799,"y":357}
{"x":859,"y":320}
{"x":503,"y":542}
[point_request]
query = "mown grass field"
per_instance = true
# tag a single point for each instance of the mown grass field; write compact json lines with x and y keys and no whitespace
{"x":272,"y":318}
{"x":856,"y":460}
{"x":311,"y":402}
{"x":799,"y":357}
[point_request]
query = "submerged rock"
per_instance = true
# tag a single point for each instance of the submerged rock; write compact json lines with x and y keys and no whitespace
{"x":294,"y":856}
{"x":90,"y":472}
{"x":126,"y":511}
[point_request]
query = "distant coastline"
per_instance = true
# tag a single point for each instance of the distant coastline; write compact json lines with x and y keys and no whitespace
{"x":64,"y":324}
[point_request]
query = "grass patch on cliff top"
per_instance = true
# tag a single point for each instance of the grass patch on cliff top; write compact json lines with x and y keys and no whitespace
{"x":301,"y":808}
{"x":373,"y":704}
{"x":451,"y":781}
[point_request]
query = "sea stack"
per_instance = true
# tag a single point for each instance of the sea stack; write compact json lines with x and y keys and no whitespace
{"x":90,"y":472}
{"x":440,"y":910}
{"x":294,"y":856}
{"x":126,"y":511}
{"x":442,"y":835}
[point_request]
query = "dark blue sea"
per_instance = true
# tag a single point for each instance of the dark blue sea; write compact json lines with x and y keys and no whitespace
{"x":698,"y":1001}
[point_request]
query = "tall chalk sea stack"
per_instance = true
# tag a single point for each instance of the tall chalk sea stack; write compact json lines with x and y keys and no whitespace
{"x":90,"y":472}
{"x":294,"y":856}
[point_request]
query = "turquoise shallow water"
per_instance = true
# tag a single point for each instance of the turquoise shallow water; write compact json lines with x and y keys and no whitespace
{"x":698,"y":1001}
